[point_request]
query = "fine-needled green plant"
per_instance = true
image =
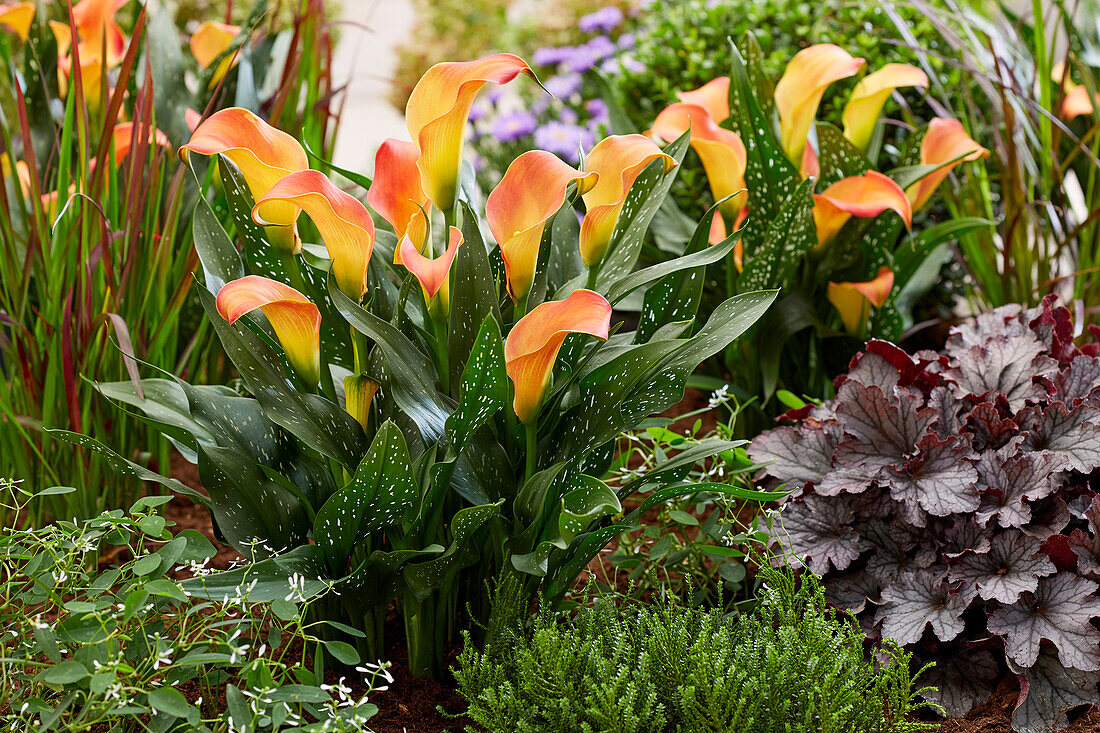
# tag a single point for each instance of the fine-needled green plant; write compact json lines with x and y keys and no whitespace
{"x":790,"y":665}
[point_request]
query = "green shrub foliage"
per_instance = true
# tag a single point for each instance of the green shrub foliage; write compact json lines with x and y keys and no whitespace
{"x":792,"y":665}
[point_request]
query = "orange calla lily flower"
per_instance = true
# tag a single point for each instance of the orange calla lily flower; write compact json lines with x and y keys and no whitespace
{"x":618,"y":160}
{"x":1076,"y":102}
{"x":721,"y":151}
{"x":714,"y":97}
{"x":123,"y":137}
{"x":296,"y":320}
{"x":945,"y":140}
{"x":854,"y":300}
{"x":193,"y":118}
{"x":799,"y":92}
{"x":530,"y":193}
{"x":863,"y":196}
{"x":91,"y":67}
{"x":811,"y":166}
{"x":433,"y":273}
{"x":359,"y":391}
{"x":437,"y":112}
{"x":397,"y":195}
{"x":346,"y":227}
{"x":210,"y":41}
{"x":264,"y":155}
{"x":17,"y":17}
{"x":533,"y":344}
{"x":865,"y":105}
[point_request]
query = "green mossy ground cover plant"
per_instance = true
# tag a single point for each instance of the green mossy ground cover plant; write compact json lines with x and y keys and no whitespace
{"x":790,"y":665}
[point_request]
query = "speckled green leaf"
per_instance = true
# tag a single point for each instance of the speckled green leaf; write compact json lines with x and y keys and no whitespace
{"x":474,"y":293}
{"x":787,"y":241}
{"x":484,"y":390}
{"x":220,"y":261}
{"x":314,"y":420}
{"x":423,"y":577}
{"x":837,"y":157}
{"x":379,"y":493}
{"x":646,"y":194}
{"x":408,"y":371}
{"x":585,"y":504}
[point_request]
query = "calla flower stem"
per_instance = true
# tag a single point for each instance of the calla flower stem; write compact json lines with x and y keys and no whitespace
{"x":593,"y":274}
{"x":531,"y":429}
{"x":439,"y":327}
{"x":521,"y":308}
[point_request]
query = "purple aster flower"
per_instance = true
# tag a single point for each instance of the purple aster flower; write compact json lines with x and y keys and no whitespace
{"x":568,"y":116}
{"x":581,"y":58}
{"x":602,"y":46}
{"x":603,"y":19}
{"x":563,"y":85}
{"x":626,"y":41}
{"x":478,"y":111}
{"x":550,"y":55}
{"x":514,"y":125}
{"x":596,"y":109}
{"x":540,"y":105}
{"x":494,"y":94}
{"x":564,"y":139}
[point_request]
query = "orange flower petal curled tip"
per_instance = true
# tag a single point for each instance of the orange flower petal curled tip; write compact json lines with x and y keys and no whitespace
{"x":714,"y":97}
{"x":193,"y":118}
{"x":359,"y":390}
{"x":854,"y":300}
{"x":944,"y":141}
{"x":264,"y":155}
{"x":618,"y":160}
{"x":17,"y":17}
{"x":799,"y":91}
{"x":530,"y":193}
{"x":865,"y":105}
{"x":437,"y":112}
{"x":432,"y":273}
{"x":396,"y":192}
{"x":533,"y":344}
{"x":96,"y":30}
{"x":296,"y":320}
{"x":864,"y":196}
{"x":210,"y":41}
{"x":345,"y":225}
{"x":721,"y":151}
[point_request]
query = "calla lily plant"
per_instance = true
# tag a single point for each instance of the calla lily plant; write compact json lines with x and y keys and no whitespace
{"x":433,"y":401}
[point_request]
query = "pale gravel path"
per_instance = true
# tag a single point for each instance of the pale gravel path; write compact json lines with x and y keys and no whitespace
{"x":366,"y":58}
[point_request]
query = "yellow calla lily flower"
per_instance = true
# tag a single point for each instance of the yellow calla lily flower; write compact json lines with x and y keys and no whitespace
{"x":799,"y":91}
{"x":865,"y":105}
{"x":854,"y":300}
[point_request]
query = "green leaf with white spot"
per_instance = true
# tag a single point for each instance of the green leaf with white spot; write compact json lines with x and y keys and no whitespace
{"x":424,"y":577}
{"x":484,"y":388}
{"x":789,"y":237}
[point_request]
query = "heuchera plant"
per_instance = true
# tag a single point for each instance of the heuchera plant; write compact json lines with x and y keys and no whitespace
{"x":422,"y":409}
{"x":950,"y":501}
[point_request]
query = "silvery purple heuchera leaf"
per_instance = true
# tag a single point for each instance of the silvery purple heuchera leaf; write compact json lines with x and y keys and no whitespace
{"x":1059,"y":611}
{"x":1012,"y":566}
{"x":917,"y":600}
{"x":943,"y":511}
{"x":1052,"y":691}
{"x":962,"y":680}
{"x":801,"y":454}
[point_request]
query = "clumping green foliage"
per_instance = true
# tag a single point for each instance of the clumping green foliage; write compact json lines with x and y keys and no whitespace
{"x":792,"y":665}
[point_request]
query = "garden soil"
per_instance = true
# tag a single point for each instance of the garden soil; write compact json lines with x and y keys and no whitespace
{"x":411,"y":705}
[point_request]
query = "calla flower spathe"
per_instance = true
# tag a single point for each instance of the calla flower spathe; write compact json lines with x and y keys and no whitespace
{"x":721,"y":151}
{"x":296,"y":320}
{"x":854,"y":300}
{"x":530,"y":193}
{"x":345,"y":225}
{"x":359,"y":390}
{"x":432,"y":273}
{"x":1076,"y":102}
{"x":123,"y":139}
{"x":264,"y":155}
{"x":17,"y":17}
{"x":714,"y":97}
{"x":396,"y":192}
{"x":618,"y":160}
{"x":865,"y":105}
{"x":944,"y":141}
{"x":799,"y":91}
{"x":437,"y":112}
{"x":863,"y":196}
{"x":533,"y":344}
{"x":210,"y":41}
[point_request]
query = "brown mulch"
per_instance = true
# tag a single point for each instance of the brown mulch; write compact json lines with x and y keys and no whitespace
{"x":410,"y":705}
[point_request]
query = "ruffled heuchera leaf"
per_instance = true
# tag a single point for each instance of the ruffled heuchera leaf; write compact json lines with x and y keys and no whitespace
{"x":919,"y":599}
{"x":852,"y":592}
{"x":1005,"y":365}
{"x":960,"y":681}
{"x":1073,"y":433}
{"x":1086,"y":545}
{"x":1052,"y":691}
{"x":941,"y":478}
{"x":1077,"y":382}
{"x":1059,"y":611}
{"x":1006,"y":484}
{"x":1012,"y":566}
{"x":1049,"y":517}
{"x":817,"y":531}
{"x":896,"y":551}
{"x":795,"y":455}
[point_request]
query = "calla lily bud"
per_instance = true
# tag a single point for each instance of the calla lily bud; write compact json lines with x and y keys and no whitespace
{"x":533,"y":344}
{"x":433,"y":274}
{"x":295,"y":319}
{"x":359,"y":391}
{"x":531,"y":192}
